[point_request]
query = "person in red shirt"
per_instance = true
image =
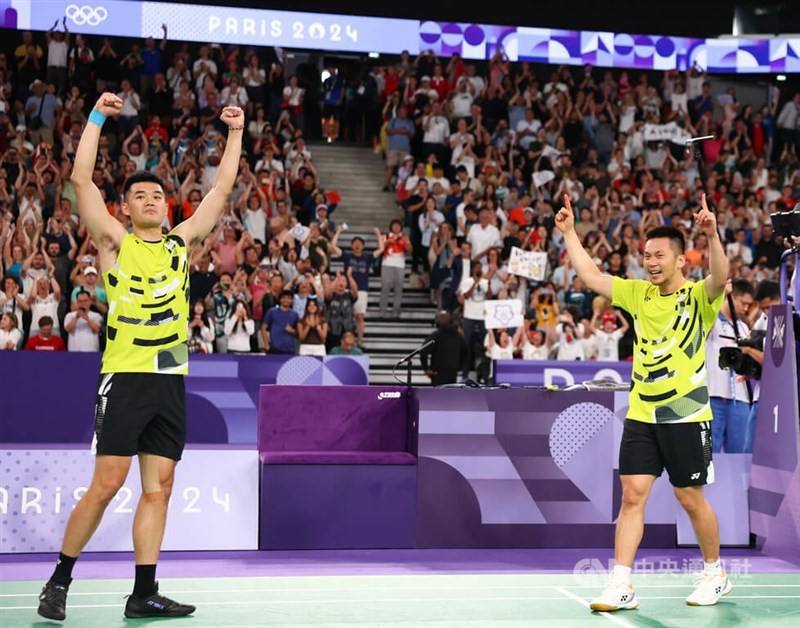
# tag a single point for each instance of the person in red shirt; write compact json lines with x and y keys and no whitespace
{"x":517,"y":214}
{"x":45,"y":340}
{"x":757,"y":135}
{"x":440,"y":83}
{"x":155,"y":128}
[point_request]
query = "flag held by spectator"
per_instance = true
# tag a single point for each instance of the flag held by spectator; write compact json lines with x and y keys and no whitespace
{"x":333,"y":197}
{"x":543,"y":177}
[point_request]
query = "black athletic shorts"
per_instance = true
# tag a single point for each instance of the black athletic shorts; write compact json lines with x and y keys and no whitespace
{"x":140,"y":413}
{"x":683,"y":449}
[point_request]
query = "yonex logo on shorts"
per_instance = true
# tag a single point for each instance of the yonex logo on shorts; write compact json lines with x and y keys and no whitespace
{"x":389,"y":395}
{"x":695,"y":476}
{"x":86,"y":14}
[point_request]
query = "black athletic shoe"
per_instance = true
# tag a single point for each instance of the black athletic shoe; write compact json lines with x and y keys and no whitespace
{"x":155,"y":606}
{"x":53,"y":601}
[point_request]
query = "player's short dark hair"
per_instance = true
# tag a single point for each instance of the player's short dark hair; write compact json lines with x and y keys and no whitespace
{"x":44,"y":321}
{"x":141,"y":176}
{"x":674,"y":235}
{"x":768,"y":289}
{"x":740,"y":287}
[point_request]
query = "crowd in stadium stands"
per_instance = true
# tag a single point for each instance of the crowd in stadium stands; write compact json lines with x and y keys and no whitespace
{"x":478,"y":155}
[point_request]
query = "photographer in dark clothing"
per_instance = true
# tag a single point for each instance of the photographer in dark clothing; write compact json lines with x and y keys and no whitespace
{"x":448,"y":355}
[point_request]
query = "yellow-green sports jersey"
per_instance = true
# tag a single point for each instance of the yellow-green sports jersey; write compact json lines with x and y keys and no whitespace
{"x":148,"y":307}
{"x":668,"y":382}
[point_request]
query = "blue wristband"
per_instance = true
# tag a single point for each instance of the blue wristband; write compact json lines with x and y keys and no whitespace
{"x":97,"y":117}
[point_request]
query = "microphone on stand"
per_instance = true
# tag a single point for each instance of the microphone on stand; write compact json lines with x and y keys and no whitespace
{"x":408,"y":360}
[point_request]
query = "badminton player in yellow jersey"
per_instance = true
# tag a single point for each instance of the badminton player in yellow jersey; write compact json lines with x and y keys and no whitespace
{"x":668,"y":424}
{"x":140,"y":408}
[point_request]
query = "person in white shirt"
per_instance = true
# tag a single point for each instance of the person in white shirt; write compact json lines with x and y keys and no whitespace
{"x":234,"y":95}
{"x":729,"y":394}
{"x":204,"y":66}
{"x":472,"y":295}
{"x":679,"y":103}
{"x":468,"y":198}
{"x":607,"y":335}
{"x":461,"y":100}
{"x":484,"y":236}
{"x":436,"y":131}
{"x":10,"y":335}
{"x":201,"y":329}
{"x":83,"y":326}
{"x":459,"y":141}
{"x":789,"y":125}
{"x":588,"y":340}
{"x":429,"y":221}
{"x":738,"y":248}
{"x":131,"y":104}
{"x":534,"y":343}
{"x":57,"y":49}
{"x":44,"y":302}
{"x":239,"y":327}
{"x":568,"y":337}
{"x":499,"y":344}
{"x":527,"y":129}
{"x":425,"y":90}
{"x":413,"y":180}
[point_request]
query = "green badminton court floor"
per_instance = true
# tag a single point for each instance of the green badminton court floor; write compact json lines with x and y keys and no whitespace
{"x":463,"y":600}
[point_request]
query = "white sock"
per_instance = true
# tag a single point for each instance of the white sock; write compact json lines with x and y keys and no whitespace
{"x":621,"y":572}
{"x":714,"y":566}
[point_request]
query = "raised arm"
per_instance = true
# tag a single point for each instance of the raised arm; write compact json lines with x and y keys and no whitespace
{"x":106,"y":232}
{"x":208,"y":213}
{"x":717,"y":260}
{"x":583,"y":264}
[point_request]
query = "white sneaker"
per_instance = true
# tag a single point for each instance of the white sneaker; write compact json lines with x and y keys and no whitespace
{"x":618,"y":595}
{"x":709,"y":588}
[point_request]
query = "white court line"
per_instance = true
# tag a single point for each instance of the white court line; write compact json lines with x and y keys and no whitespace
{"x":405,"y":588}
{"x":737,"y":584}
{"x":325,"y":601}
{"x":584,"y":603}
{"x":564,"y":592}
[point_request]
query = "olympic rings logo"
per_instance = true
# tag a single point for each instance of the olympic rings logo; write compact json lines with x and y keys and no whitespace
{"x":85,"y":14}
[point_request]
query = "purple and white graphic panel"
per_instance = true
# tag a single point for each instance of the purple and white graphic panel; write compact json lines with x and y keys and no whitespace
{"x":214,"y":503}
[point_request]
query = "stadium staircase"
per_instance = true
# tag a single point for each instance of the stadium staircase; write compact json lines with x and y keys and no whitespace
{"x":358,"y":174}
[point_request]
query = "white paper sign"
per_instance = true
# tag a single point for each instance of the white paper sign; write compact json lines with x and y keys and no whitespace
{"x":542,"y":177}
{"x":503,"y":314}
{"x":664,"y":132}
{"x":530,"y":264}
{"x":299,"y":232}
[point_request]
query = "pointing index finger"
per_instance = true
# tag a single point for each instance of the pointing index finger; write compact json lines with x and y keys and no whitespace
{"x":568,"y":203}
{"x":703,"y":202}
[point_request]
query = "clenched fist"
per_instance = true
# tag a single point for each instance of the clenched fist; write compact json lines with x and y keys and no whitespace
{"x":233,"y":117}
{"x":109,"y":104}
